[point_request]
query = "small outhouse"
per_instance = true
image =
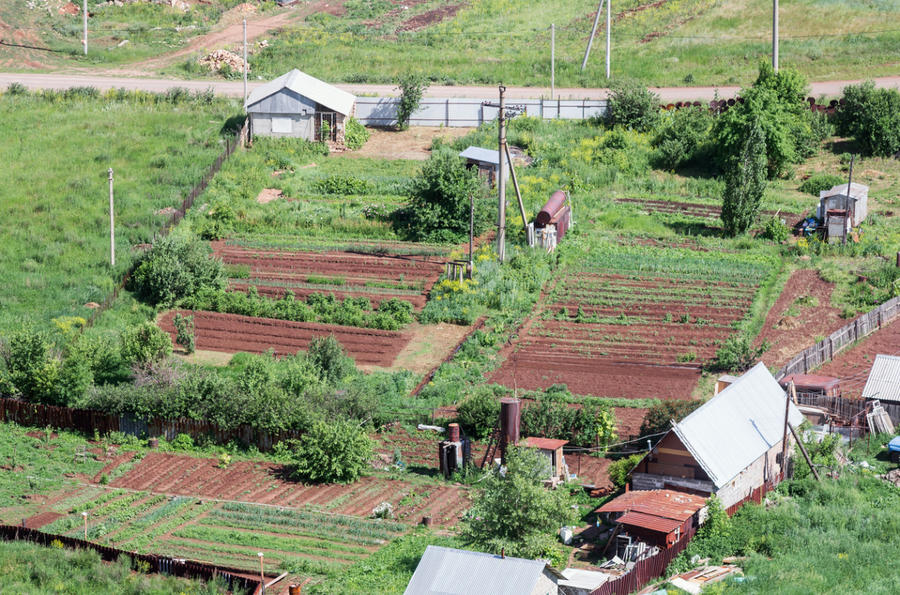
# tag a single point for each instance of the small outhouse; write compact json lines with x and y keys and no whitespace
{"x":841,"y":208}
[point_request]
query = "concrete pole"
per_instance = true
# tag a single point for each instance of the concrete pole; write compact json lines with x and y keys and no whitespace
{"x":112,"y":222}
{"x":775,"y":35}
{"x":85,"y":15}
{"x":608,"y":34}
{"x":501,"y":178}
{"x":246,"y":65}
{"x":552,"y":58}
{"x":587,"y":51}
{"x":471,"y":230}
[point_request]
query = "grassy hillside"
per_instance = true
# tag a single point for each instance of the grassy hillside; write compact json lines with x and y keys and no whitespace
{"x":54,"y":155}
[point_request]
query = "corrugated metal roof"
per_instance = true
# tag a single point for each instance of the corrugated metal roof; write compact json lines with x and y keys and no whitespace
{"x":544,"y":443}
{"x":856,"y":191}
{"x":448,"y":571}
{"x":810,"y":381}
{"x":738,"y":425}
{"x":483,"y":155}
{"x":884,"y":379}
{"x":670,"y":504}
{"x":307,"y":86}
{"x":649,"y":521}
{"x":583,"y":579}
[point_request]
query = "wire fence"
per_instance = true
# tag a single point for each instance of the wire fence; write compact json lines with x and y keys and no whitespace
{"x":238,"y":581}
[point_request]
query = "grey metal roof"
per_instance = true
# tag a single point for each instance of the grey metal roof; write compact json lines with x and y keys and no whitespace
{"x":884,"y":379}
{"x":448,"y":571}
{"x":857,"y":191}
{"x":738,"y":425}
{"x":307,"y":86}
{"x":483,"y":155}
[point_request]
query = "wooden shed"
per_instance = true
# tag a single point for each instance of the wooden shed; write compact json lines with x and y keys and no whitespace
{"x":486,"y":161}
{"x":656,"y":517}
{"x":300,"y":106}
{"x":553,"y":450}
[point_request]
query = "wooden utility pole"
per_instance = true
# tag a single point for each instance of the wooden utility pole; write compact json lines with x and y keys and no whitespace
{"x":246,"y":65}
{"x":775,"y":35}
{"x":512,"y":170}
{"x":501,"y":178}
{"x":552,"y":58}
{"x":85,"y":15}
{"x":805,"y":454}
{"x":784,"y":443}
{"x":471,"y":232}
{"x":587,"y":51}
{"x":112,"y":222}
{"x":608,"y":34}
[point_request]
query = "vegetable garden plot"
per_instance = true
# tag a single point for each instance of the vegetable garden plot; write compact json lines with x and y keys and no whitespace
{"x":699,"y":210}
{"x":346,"y":274}
{"x":233,"y":332}
{"x":633,"y":322}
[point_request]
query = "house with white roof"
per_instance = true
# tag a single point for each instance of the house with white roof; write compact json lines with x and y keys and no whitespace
{"x":300,"y":106}
{"x":730,"y":446}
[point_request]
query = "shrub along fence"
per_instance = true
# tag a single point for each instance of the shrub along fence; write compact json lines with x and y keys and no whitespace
{"x":239,"y":581}
{"x":88,"y":421}
{"x":825,"y":350}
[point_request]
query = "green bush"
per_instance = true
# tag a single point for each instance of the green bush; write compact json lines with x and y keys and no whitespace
{"x":412,"y":87}
{"x":184,"y":332}
{"x":175,"y":268}
{"x":659,"y":417}
{"x":337,"y":451}
{"x":343,"y":185}
{"x":330,"y":358}
{"x":632,"y":105}
{"x":145,"y":344}
{"x":355,"y":134}
{"x":816,"y":183}
{"x":619,"y":469}
{"x":775,"y":230}
{"x":684,"y":138}
{"x":479,"y":414}
{"x":872,"y":117}
{"x":737,"y":354}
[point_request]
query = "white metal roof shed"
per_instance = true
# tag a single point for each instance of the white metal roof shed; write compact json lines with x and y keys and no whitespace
{"x":308,"y":86}
{"x":738,"y":425}
{"x":448,"y":571}
{"x":483,"y":155}
{"x":884,"y":379}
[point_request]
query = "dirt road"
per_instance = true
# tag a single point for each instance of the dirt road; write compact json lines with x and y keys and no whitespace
{"x":235,"y":88}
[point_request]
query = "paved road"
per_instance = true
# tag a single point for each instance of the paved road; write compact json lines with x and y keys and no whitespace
{"x":236,"y":89}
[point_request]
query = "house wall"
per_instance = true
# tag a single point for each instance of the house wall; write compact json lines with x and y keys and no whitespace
{"x":546,"y":584}
{"x":301,"y":125}
{"x":764,"y":469}
{"x":670,"y":457}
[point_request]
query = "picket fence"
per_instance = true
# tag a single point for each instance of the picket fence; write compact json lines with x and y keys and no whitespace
{"x":88,"y":421}
{"x":239,"y":581}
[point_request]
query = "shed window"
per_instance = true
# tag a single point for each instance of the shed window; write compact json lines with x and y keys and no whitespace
{"x":282,"y":125}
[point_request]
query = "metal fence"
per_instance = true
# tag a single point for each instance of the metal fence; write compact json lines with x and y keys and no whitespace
{"x":462,"y":112}
{"x":88,"y":421}
{"x":825,"y":350}
{"x":237,"y":580}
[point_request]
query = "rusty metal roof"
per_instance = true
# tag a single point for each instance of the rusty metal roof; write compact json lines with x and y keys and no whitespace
{"x":649,"y":521}
{"x":669,"y":504}
{"x":810,"y":381}
{"x":544,"y":443}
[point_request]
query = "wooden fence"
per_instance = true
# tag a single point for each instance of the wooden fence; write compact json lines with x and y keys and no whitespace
{"x":644,"y":571}
{"x":88,"y":421}
{"x":825,"y":350}
{"x":845,"y":408}
{"x":239,"y":581}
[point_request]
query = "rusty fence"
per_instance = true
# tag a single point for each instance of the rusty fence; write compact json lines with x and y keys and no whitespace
{"x":240,"y":139}
{"x":88,"y":421}
{"x":825,"y":350}
{"x":238,"y":581}
{"x":644,"y":570}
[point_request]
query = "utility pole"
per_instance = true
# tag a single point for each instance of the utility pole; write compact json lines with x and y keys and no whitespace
{"x":587,"y":51}
{"x":84,"y":41}
{"x":552,"y":58}
{"x":246,"y":66}
{"x":501,"y":178}
{"x":471,"y":231}
{"x":112,"y":222}
{"x":775,"y":35}
{"x":784,"y":440}
{"x":608,"y":34}
{"x":262,"y":574}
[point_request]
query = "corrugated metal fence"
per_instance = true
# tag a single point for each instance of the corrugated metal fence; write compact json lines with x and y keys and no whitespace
{"x":825,"y":350}
{"x":87,"y":421}
{"x":461,"y":112}
{"x":238,"y":580}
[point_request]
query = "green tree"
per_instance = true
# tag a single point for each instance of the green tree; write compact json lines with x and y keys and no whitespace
{"x":632,"y":105}
{"x":872,"y":117}
{"x":737,"y":354}
{"x":330,"y":358}
{"x":745,"y":182}
{"x":515,"y":511}
{"x":659,"y":416}
{"x":479,"y":414}
{"x":184,"y":332}
{"x":31,"y":369}
{"x":619,"y":469}
{"x":145,"y":344}
{"x":337,"y":451}
{"x":175,"y":268}
{"x":412,"y":87}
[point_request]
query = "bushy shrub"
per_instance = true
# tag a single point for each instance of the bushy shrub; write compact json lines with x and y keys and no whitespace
{"x":872,"y":117}
{"x":479,"y":414}
{"x":659,"y":417}
{"x":184,"y":332}
{"x":343,"y":185}
{"x":330,"y":358}
{"x":175,"y":268}
{"x":145,"y":344}
{"x":632,"y":105}
{"x":737,"y":354}
{"x":683,"y":138}
{"x":551,"y":417}
{"x":775,"y":230}
{"x":619,"y":469}
{"x":412,"y":87}
{"x":816,"y":183}
{"x":355,"y":134}
{"x":337,"y":451}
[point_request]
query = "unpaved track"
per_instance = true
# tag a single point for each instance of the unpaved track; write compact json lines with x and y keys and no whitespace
{"x":236,"y":88}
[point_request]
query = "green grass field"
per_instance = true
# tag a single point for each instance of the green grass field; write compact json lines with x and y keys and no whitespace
{"x":54,"y":155}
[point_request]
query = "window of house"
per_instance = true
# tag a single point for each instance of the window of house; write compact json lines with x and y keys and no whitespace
{"x":282,"y":125}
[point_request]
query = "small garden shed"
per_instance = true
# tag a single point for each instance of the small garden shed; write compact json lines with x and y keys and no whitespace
{"x":300,"y":106}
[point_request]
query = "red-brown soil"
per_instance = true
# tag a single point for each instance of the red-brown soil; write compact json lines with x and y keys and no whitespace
{"x":39,"y":520}
{"x":697,"y":210}
{"x":426,"y":19}
{"x":789,"y":335}
{"x":268,"y":483}
{"x":589,"y":469}
{"x":233,"y":332}
{"x":852,"y":365}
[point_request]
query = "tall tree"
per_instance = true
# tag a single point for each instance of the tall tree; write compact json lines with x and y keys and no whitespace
{"x":745,"y":182}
